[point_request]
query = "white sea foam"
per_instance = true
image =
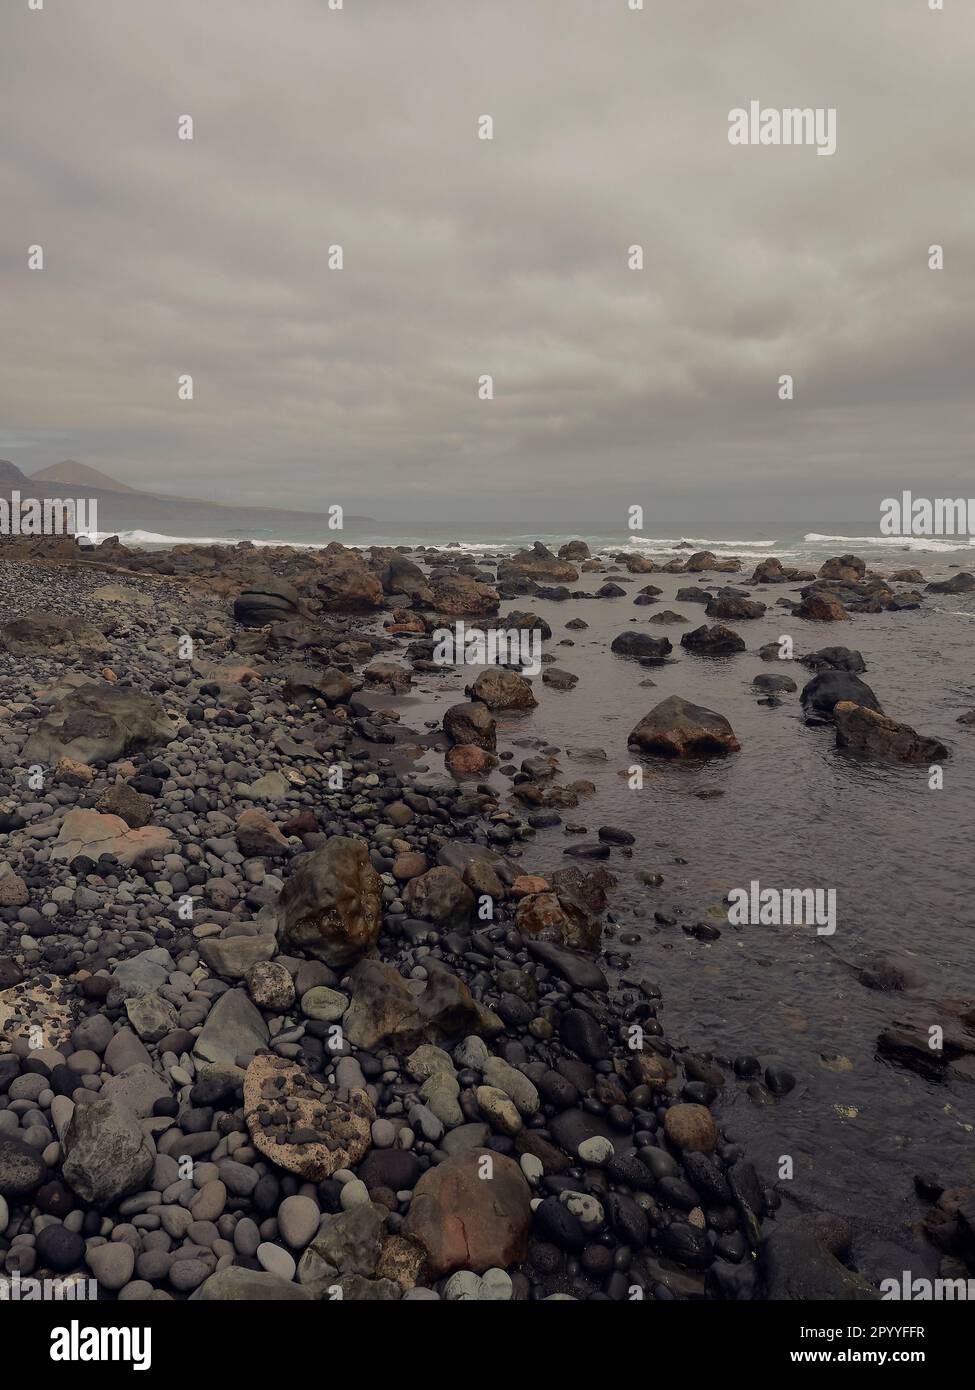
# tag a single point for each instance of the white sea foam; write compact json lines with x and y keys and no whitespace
{"x":922,"y":543}
{"x":812,"y":544}
{"x":703,"y":541}
{"x":137,"y":538}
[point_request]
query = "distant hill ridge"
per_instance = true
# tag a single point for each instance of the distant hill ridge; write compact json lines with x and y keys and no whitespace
{"x":128,"y":508}
{"x":10,"y":475}
{"x":81,"y":475}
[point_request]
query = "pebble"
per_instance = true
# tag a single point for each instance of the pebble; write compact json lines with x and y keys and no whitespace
{"x":276,"y":1261}
{"x":112,"y":1264}
{"x":178,"y":1008}
{"x":298,"y":1219}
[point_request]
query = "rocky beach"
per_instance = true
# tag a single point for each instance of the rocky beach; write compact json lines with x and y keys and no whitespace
{"x":326,"y":970}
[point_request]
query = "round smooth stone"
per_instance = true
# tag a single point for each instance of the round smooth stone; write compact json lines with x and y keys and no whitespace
{"x":276,"y":1260}
{"x":298,"y":1219}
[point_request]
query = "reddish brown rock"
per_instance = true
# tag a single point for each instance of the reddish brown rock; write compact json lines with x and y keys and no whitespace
{"x":408,"y":865}
{"x":873,"y":735}
{"x":346,"y":584}
{"x":457,"y":595}
{"x":850,"y":569}
{"x":471,"y":1212}
{"x":691,"y":1129}
{"x":472,"y":723}
{"x":72,"y":772}
{"x":257,"y":834}
{"x":526,"y":884}
{"x":824,"y":608}
{"x":467,"y":760}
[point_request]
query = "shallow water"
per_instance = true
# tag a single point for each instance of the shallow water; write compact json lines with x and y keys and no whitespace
{"x":792,"y":813}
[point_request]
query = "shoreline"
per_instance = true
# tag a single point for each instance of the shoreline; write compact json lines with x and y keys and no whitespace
{"x":293,"y":685}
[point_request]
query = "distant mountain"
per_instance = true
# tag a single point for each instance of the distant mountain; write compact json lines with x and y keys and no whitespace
{"x":80,"y":474}
{"x":125,"y":508}
{"x":10,"y":475}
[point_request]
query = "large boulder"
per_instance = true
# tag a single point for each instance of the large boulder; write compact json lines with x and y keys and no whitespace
{"x":700,"y":561}
{"x":266,"y":600}
{"x":233,"y":1032}
{"x":347,"y":1244}
{"x":304,"y":683}
{"x":537,"y":563}
{"x":835,"y":659}
{"x":467,"y":859}
{"x":303,"y":1125}
{"x":873,"y":735}
{"x":849,"y":569}
{"x":387,"y":1011}
{"x":642,"y":645}
{"x":574,"y":550}
{"x":471,"y":723}
{"x":823,"y":693}
{"x":677,"y":728}
{"x":821,"y":607}
{"x":105,"y":1154}
{"x":99,"y":721}
{"x":543,"y":917}
{"x":586,"y":887}
{"x":795,"y":1264}
{"x":92,"y":834}
{"x":524,"y":620}
{"x":403,"y":576}
{"x":440,"y":895}
{"x":962,"y":583}
{"x":235,"y":1284}
{"x":345,"y":582}
{"x":716,"y":640}
{"x":500,"y":689}
{"x":472,"y":1211}
{"x":639,"y":564}
{"x":728,"y":603}
{"x":458,"y":595}
{"x":772,"y":571}
{"x":331,"y":906}
{"x":55,"y":637}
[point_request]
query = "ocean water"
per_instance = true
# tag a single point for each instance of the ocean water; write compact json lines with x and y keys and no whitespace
{"x":791,"y":812}
{"x":805,"y":550}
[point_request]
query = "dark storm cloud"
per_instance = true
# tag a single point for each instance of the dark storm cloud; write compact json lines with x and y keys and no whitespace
{"x":465,"y":257}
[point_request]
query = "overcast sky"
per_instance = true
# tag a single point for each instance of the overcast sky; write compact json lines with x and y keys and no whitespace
{"x":508,"y":257}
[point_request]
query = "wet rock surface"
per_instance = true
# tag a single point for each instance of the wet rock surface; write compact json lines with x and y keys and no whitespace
{"x":326,"y":1023}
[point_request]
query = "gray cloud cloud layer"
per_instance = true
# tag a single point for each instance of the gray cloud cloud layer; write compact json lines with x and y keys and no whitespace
{"x":508,"y":257}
